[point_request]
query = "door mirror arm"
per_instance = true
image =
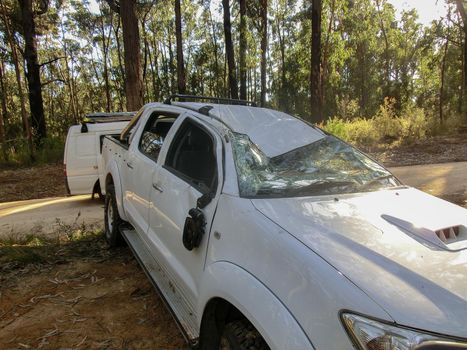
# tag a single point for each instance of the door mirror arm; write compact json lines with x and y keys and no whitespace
{"x":204,"y":200}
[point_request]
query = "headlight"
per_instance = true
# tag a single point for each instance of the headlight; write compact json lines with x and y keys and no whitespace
{"x":373,"y":335}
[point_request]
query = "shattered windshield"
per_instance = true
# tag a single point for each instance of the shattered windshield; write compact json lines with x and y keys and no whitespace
{"x":327,"y":166}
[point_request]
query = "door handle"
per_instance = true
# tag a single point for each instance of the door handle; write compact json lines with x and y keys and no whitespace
{"x":157,"y":187}
{"x":129,"y":165}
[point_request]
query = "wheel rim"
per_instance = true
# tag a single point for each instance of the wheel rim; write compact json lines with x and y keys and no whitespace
{"x":110,"y":217}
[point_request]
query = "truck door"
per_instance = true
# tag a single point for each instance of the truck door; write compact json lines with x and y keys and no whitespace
{"x":141,"y":162}
{"x":191,"y":173}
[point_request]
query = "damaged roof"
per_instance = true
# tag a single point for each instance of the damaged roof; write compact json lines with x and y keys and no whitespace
{"x":272,"y":131}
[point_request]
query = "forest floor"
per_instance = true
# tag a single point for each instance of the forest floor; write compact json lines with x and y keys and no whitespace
{"x":70,"y":291}
{"x":438,"y":149}
{"x":78,"y":294}
{"x":40,"y":181}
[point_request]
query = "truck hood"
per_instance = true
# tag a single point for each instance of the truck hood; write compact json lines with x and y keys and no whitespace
{"x":405,"y":249}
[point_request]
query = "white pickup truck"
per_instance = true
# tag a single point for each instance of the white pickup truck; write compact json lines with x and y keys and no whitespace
{"x":263,"y":232}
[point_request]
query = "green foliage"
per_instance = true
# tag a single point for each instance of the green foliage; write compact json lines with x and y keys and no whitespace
{"x":381,"y":71}
{"x":50,"y":151}
{"x":389,"y":127}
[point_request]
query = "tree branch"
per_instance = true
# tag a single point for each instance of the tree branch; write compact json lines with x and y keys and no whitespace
{"x":52,"y":81}
{"x":114,"y":5}
{"x":51,"y":61}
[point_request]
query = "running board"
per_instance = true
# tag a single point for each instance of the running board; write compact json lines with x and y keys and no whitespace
{"x":185,"y":319}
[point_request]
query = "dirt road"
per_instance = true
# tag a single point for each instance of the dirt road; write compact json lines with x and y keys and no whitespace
{"x":43,"y":216}
{"x":448,"y":180}
{"x":436,"y":179}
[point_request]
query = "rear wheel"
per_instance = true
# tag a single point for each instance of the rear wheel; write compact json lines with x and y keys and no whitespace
{"x":241,"y":335}
{"x":112,"y":220}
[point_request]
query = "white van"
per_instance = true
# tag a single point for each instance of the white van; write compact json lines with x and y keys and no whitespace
{"x":83,"y":147}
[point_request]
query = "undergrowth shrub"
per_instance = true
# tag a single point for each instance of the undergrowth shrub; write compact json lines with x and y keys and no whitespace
{"x":17,"y":152}
{"x":388,"y":126}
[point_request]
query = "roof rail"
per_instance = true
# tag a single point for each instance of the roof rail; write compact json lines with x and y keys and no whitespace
{"x":222,"y":100}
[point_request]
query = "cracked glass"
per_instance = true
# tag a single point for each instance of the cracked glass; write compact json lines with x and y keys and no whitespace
{"x":325,"y":167}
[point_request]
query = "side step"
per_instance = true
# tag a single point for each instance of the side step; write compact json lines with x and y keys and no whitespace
{"x":185,"y":319}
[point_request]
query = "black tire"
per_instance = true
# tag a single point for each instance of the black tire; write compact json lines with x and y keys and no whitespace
{"x":241,"y":335}
{"x":112,"y":220}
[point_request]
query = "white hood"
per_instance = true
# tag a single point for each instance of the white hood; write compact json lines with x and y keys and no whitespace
{"x":385,"y":243}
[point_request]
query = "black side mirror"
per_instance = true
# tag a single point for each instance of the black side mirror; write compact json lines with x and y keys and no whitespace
{"x":193,"y":230}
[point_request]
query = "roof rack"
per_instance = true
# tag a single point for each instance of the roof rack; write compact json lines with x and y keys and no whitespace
{"x":101,"y":117}
{"x":108,"y":117}
{"x":222,"y":100}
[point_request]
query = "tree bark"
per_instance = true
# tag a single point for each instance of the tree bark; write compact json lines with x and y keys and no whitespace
{"x":387,"y":55}
{"x":441,"y":88}
{"x":3,"y":114}
{"x":216,"y":57}
{"x":315,"y":76}
{"x":325,"y":55}
{"x":131,"y":47}
{"x":33,"y":76}
{"x":463,"y":15}
{"x":105,"y":51}
{"x":264,"y":47}
{"x":14,"y":54}
{"x":181,"y":82}
{"x":242,"y":44}
{"x":230,"y":51}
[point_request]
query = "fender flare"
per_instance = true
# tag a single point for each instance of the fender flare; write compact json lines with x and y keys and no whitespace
{"x":256,"y":302}
{"x":112,"y":170}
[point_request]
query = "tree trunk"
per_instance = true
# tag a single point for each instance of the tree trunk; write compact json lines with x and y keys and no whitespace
{"x":230,"y":51}
{"x":105,"y":49}
{"x":172,"y":67}
{"x":33,"y":71}
{"x":283,"y":80}
{"x":216,"y":57}
{"x":387,"y":55}
{"x":463,"y":15}
{"x":242,"y":44}
{"x":264,"y":47}
{"x":441,"y":88}
{"x":315,"y":76}
{"x":120,"y":61}
{"x":180,"y":64}
{"x":324,"y":66}
{"x":69,"y":77}
{"x":3,"y":115}
{"x":153,"y":65}
{"x":14,"y":54}
{"x":131,"y":46}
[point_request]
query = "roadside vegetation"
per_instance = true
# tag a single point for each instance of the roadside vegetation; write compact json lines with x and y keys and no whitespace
{"x":70,"y":240}
{"x":390,"y":127}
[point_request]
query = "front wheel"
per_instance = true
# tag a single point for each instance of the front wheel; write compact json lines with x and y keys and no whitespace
{"x":112,"y":220}
{"x":241,"y":335}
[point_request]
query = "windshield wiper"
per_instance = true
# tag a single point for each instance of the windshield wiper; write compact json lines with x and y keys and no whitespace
{"x":319,"y":187}
{"x":375,"y":181}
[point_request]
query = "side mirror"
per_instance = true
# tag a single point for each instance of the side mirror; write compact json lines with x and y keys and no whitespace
{"x":207,"y":196}
{"x":193,"y":231}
